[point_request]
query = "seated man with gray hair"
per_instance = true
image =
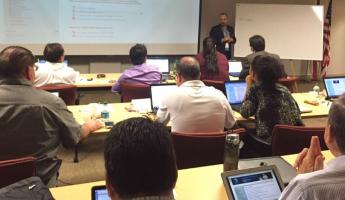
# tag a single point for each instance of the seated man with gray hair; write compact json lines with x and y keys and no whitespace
{"x":315,"y":181}
{"x":194,"y":107}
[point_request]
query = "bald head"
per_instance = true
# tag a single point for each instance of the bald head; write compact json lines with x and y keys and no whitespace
{"x":188,"y":68}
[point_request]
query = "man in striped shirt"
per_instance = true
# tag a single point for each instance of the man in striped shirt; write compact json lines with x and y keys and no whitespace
{"x":315,"y":181}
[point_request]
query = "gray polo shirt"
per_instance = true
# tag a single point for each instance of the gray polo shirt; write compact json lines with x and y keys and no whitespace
{"x":34,"y":123}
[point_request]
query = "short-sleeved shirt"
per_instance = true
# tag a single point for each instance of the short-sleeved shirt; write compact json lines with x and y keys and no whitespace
{"x":34,"y":122}
{"x":196,"y":108}
{"x":269,"y":109}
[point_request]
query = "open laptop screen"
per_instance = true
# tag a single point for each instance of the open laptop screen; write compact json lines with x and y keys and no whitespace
{"x":235,"y":91}
{"x":235,"y":68}
{"x":262,"y":183}
{"x":99,"y":193}
{"x":161,"y":63}
{"x":158,"y":93}
{"x":258,"y":185}
{"x":335,"y":86}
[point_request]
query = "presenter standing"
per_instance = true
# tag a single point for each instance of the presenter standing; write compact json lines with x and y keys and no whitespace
{"x":223,"y":35}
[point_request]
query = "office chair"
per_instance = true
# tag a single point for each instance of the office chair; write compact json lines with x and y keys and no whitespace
{"x":131,"y":91}
{"x":292,"y":139}
{"x":15,"y":170}
{"x":195,"y":150}
{"x":68,"y":93}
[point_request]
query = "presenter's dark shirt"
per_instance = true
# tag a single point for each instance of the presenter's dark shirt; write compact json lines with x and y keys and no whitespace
{"x":34,"y":123}
{"x":217,"y":34}
{"x":223,"y":66}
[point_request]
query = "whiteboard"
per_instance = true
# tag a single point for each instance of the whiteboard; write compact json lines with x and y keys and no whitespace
{"x":291,"y":31}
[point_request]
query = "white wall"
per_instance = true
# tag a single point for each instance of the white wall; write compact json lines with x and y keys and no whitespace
{"x":337,"y":65}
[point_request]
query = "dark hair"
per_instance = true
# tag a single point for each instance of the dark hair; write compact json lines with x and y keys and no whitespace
{"x":223,"y":13}
{"x":53,"y":52}
{"x":139,"y":158}
{"x":257,"y":42}
{"x":268,"y":71}
{"x":138,"y":54}
{"x":188,"y":68}
{"x":14,"y":60}
{"x":336,"y":119}
{"x":209,"y":52}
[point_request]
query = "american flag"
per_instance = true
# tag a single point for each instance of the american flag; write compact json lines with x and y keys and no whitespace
{"x":326,"y":39}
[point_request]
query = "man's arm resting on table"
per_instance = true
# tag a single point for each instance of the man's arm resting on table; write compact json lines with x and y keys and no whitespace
{"x":89,"y":127}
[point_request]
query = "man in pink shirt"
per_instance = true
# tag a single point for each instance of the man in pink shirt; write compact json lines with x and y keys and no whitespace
{"x":141,"y":72}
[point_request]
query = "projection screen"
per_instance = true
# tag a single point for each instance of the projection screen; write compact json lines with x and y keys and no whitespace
{"x":102,"y":27}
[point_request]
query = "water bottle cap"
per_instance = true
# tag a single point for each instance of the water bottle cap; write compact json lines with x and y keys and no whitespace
{"x":233,"y":138}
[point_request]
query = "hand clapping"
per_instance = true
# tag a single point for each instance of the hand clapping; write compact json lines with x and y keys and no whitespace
{"x":311,"y":159}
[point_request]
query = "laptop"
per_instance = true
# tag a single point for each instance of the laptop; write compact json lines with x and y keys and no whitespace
{"x":99,"y":193}
{"x":162,"y":64}
{"x":262,"y":183}
{"x":287,"y":172}
{"x":335,"y":86}
{"x":235,"y":93}
{"x":235,"y":68}
{"x":158,"y":93}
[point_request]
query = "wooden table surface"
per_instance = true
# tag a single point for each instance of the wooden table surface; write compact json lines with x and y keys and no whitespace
{"x":202,"y":183}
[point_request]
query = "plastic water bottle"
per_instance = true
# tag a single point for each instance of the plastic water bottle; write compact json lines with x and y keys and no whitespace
{"x":232,"y":151}
{"x":316,"y":89}
{"x":105,"y":115}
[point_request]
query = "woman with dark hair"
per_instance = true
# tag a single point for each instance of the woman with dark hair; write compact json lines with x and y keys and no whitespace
{"x":213,"y":64}
{"x":270,"y":102}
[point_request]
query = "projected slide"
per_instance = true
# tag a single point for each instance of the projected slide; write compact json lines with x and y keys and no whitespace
{"x":163,"y":24}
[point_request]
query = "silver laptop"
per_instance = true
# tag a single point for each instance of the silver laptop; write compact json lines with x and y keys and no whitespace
{"x":162,"y":64}
{"x":158,"y":93}
{"x":262,"y":183}
{"x":335,"y":86}
{"x":235,"y":93}
{"x":235,"y":68}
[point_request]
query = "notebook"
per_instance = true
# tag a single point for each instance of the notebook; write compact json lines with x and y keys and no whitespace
{"x":262,"y":183}
{"x":335,"y":86}
{"x":99,"y":193}
{"x":235,"y":93}
{"x":162,"y":64}
{"x":158,"y":93}
{"x":235,"y":68}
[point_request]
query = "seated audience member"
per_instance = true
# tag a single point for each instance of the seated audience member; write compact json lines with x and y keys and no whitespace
{"x":213,"y":64}
{"x":257,"y":45}
{"x":314,"y":181}
{"x":34,"y":122}
{"x":270,"y":102}
{"x":140,"y":72}
{"x":54,"y":70}
{"x":140,"y":161}
{"x":194,"y":107}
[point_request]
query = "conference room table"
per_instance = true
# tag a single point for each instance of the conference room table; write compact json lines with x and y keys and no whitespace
{"x":90,"y":81}
{"x":202,"y":183}
{"x":121,"y":111}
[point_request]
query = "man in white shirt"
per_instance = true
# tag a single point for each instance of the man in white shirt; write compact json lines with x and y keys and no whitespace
{"x":314,"y":181}
{"x":54,"y":70}
{"x":194,"y":107}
